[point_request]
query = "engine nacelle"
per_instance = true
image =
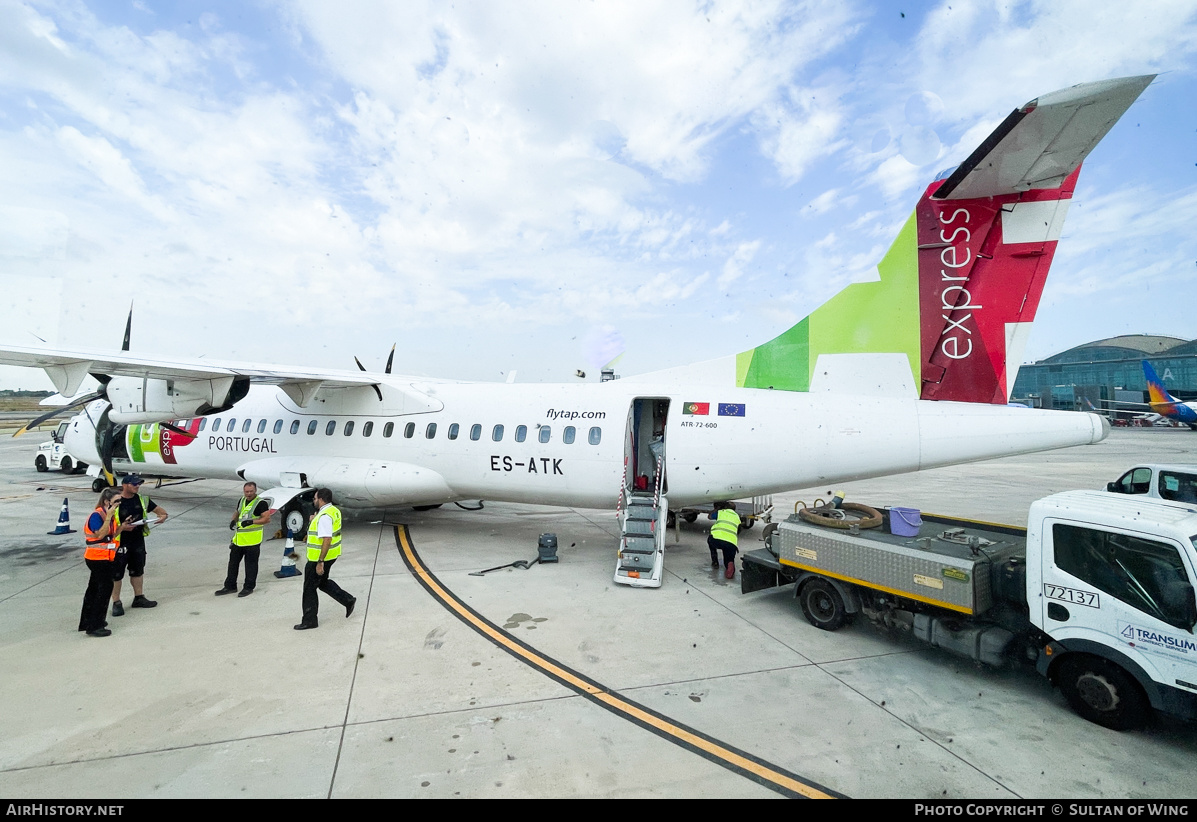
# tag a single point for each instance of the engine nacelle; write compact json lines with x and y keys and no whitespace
{"x":147,"y":400}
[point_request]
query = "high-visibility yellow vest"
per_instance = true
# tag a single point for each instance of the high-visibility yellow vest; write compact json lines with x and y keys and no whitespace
{"x":315,"y":543}
{"x":250,"y":535}
{"x":103,"y":548}
{"x":727,"y":526}
{"x":145,"y":515}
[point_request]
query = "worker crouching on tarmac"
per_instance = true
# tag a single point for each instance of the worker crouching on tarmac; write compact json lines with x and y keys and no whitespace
{"x":247,"y":524}
{"x":723,"y":535}
{"x":103,"y":541}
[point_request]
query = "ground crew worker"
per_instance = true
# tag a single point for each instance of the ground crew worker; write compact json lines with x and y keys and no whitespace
{"x":248,"y":522}
{"x":133,"y":508}
{"x":103,"y":541}
{"x":723,"y":535}
{"x":324,"y":546}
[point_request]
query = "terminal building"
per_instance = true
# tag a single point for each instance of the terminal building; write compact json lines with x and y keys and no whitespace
{"x":1108,"y":371}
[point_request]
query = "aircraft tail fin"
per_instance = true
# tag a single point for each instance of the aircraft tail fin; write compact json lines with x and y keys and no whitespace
{"x":959,"y":287}
{"x":1161,"y":401}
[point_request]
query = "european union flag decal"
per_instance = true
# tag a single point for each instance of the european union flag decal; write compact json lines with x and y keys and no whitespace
{"x":731,"y":409}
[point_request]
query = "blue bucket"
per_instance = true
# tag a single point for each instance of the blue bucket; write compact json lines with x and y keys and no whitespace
{"x":905,"y":522}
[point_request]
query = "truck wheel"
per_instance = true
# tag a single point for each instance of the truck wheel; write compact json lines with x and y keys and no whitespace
{"x":822,"y":605}
{"x":40,"y":464}
{"x":66,"y":465}
{"x":1102,"y":692}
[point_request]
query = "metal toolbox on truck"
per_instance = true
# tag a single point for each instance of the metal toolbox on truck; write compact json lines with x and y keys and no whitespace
{"x":949,"y":564}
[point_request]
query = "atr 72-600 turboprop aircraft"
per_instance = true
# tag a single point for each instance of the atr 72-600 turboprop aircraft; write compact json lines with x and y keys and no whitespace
{"x":907,"y":372}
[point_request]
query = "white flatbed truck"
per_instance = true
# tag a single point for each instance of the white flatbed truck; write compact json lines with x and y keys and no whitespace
{"x":1097,"y":592}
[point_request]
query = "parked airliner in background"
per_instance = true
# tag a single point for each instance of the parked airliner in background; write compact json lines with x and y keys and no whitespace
{"x":1162,"y":405}
{"x":907,"y":372}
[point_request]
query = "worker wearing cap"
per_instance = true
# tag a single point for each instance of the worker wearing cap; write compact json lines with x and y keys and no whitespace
{"x":723,"y":536}
{"x":249,"y":518}
{"x":133,"y":512}
{"x":103,"y":542}
{"x":324,"y":546}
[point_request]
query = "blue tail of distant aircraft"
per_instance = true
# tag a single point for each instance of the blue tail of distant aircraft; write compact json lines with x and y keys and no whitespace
{"x":1163,"y":403}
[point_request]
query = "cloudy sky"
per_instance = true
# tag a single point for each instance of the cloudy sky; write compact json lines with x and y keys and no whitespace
{"x":542,"y":186}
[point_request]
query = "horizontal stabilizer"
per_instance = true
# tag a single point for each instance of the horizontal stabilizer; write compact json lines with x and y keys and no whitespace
{"x":1040,"y":144}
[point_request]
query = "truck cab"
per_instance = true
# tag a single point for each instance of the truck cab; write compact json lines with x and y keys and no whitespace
{"x":1113,"y":590}
{"x":53,"y":454}
{"x":1176,"y":483}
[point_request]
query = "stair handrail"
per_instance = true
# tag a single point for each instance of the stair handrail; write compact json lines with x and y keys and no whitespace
{"x":657,"y":491}
{"x":623,"y":489}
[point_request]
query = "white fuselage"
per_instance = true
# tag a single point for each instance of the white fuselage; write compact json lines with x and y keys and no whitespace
{"x":783,"y":440}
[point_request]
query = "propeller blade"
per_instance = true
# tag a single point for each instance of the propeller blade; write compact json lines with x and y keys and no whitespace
{"x":128,"y":328}
{"x":105,"y":443}
{"x":377,"y":391}
{"x":59,"y":410}
{"x":390,"y":359}
{"x":359,"y":364}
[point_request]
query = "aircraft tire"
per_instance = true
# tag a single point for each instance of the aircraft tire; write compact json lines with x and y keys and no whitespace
{"x":99,"y":484}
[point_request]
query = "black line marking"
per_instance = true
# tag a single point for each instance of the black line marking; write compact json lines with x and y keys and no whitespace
{"x":752,"y":767}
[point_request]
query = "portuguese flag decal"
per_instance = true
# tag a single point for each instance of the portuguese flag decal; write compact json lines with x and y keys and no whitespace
{"x":700,"y":408}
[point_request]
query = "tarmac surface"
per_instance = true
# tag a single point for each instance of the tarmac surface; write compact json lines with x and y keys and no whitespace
{"x":209,"y":696}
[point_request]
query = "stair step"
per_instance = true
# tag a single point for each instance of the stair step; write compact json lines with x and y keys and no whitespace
{"x":639,"y":545}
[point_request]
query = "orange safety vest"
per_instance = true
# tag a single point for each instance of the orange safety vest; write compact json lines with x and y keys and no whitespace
{"x":103,"y":548}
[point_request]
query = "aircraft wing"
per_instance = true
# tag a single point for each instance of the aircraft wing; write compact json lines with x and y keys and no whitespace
{"x":66,"y":368}
{"x":1044,"y":141}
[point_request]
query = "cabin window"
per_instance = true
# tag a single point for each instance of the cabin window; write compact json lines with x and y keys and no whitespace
{"x":349,"y":428}
{"x":430,"y":431}
{"x":203,"y":424}
{"x":231,"y":426}
{"x":453,"y":429}
{"x":215,"y":425}
{"x":409,"y":430}
{"x":262,"y":426}
{"x":388,"y":429}
{"x":245,"y":426}
{"x":521,"y":433}
{"x":294,"y":426}
{"x":475,"y":432}
{"x":545,"y":433}
{"x":330,"y":428}
{"x":278,"y":426}
{"x":596,"y":435}
{"x":368,"y":428}
{"x":567,"y":436}
{"x":312,"y":427}
{"x":497,"y":433}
